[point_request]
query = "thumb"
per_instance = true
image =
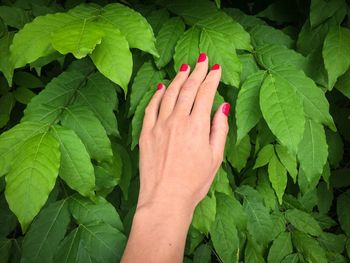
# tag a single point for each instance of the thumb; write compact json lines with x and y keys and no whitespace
{"x":219,"y":131}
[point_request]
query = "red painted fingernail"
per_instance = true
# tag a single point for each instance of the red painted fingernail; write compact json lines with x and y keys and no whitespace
{"x":202,"y":57}
{"x":226,"y":108}
{"x":183,"y":67}
{"x":159,"y":86}
{"x":215,"y":67}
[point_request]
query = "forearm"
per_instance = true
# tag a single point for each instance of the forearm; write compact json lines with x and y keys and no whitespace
{"x":158,"y":233}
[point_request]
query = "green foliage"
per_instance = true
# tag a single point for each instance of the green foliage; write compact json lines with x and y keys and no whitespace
{"x":76,"y":77}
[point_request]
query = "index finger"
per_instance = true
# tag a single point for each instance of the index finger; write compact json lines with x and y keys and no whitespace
{"x":205,"y":96}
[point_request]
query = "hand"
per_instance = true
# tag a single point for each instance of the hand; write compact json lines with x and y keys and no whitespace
{"x":180,"y":151}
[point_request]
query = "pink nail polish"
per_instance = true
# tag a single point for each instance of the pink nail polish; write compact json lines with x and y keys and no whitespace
{"x":226,"y":108}
{"x":159,"y":86}
{"x":183,"y":67}
{"x":202,"y":57}
{"x":215,"y":67}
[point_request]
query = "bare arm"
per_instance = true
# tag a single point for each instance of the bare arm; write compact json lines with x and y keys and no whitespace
{"x":180,"y":153}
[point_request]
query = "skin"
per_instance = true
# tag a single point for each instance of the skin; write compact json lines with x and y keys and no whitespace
{"x":181,"y":150}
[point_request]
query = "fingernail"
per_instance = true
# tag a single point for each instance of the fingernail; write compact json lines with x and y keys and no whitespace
{"x":183,"y":67}
{"x":159,"y":86}
{"x":215,"y":67}
{"x":202,"y":57}
{"x":226,"y":108}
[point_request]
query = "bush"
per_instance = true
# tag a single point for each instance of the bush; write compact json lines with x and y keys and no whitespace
{"x":76,"y":78}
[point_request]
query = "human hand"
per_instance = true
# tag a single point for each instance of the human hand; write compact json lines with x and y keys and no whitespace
{"x":180,"y":149}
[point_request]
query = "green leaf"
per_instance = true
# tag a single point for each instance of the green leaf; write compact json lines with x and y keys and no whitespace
{"x":78,"y":38}
{"x":147,"y":78}
{"x":272,"y":55}
{"x":223,"y":232}
{"x":7,"y":102}
{"x":32,"y":177}
{"x":27,"y":80}
{"x":324,"y":197}
{"x":315,"y":103}
{"x":90,"y":130}
{"x":167,"y":38}
{"x":259,"y":222}
{"x":303,"y":222}
{"x":283,"y":111}
{"x":292,"y":258}
{"x":220,"y":50}
{"x":194,"y":237}
{"x":48,"y":105}
{"x":247,"y":112}
{"x":343,"y":84}
{"x":112,"y":57}
{"x":99,"y":94}
{"x":313,"y":150}
{"x":222,"y":23}
{"x":87,"y":212}
{"x":8,"y":219}
{"x":93,"y":242}
{"x":279,"y":223}
{"x":238,"y":154}
{"x":6,"y":65}
{"x":157,"y":18}
{"x":133,"y":26}
{"x":335,"y":148}
{"x":264,"y":156}
{"x":204,"y":214}
{"x":333,"y":242}
{"x":12,"y":140}
{"x":23,"y":95}
{"x":127,"y":170}
{"x":187,"y":48}
{"x":33,"y":41}
{"x":309,"y":247}
{"x":324,"y":220}
{"x":335,"y":53}
{"x":249,"y":66}
{"x":343,"y":211}
{"x":192,"y":11}
{"x":281,"y":247}
{"x":253,"y":252}
{"x":311,"y":39}
{"x":288,"y":160}
{"x":14,"y":16}
{"x":264,"y":188}
{"x":5,"y":249}
{"x":277,"y":176}
{"x":44,"y":235}
{"x":221,"y":183}
{"x":137,"y":120}
{"x":202,"y":254}
{"x":247,"y":21}
{"x":76,"y":168}
{"x":262,"y":35}
{"x":280,"y":11}
{"x":321,"y":10}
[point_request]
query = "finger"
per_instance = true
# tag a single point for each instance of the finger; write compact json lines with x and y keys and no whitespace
{"x":219,"y":131}
{"x":171,"y":93}
{"x":151,"y":111}
{"x":189,"y":89}
{"x":206,"y":93}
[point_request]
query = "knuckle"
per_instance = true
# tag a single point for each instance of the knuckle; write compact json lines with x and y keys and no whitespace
{"x":190,"y":83}
{"x":170,"y":92}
